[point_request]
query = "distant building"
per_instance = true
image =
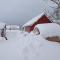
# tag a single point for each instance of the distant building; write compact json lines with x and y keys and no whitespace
{"x":13,"y":27}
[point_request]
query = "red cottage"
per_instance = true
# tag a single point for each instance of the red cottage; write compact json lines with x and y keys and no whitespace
{"x":40,"y":19}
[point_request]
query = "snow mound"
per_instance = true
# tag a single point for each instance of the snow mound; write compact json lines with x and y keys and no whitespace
{"x":48,"y":29}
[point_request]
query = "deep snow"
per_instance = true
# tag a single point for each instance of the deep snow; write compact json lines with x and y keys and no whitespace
{"x":24,"y":46}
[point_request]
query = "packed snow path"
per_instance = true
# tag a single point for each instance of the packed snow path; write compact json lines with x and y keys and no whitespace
{"x":22,"y":46}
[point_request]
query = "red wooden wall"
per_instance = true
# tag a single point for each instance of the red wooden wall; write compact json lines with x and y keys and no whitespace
{"x":43,"y":19}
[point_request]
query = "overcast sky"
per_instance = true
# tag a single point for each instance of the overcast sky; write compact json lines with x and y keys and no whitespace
{"x":20,"y":11}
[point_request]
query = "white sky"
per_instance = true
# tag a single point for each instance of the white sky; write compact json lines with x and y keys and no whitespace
{"x":20,"y":11}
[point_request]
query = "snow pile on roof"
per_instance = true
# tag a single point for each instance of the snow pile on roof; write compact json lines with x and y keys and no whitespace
{"x":48,"y":29}
{"x":2,"y":25}
{"x":32,"y":21}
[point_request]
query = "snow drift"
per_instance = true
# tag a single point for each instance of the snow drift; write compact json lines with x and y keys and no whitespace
{"x":47,"y":29}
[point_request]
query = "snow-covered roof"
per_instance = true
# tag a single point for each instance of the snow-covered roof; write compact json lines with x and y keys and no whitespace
{"x":32,"y":21}
{"x":48,"y":29}
{"x":2,"y":25}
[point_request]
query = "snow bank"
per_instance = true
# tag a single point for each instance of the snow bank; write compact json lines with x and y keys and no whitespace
{"x":48,"y":29}
{"x":29,"y":47}
{"x":37,"y":48}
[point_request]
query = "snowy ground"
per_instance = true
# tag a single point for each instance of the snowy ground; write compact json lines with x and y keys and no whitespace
{"x":21,"y":46}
